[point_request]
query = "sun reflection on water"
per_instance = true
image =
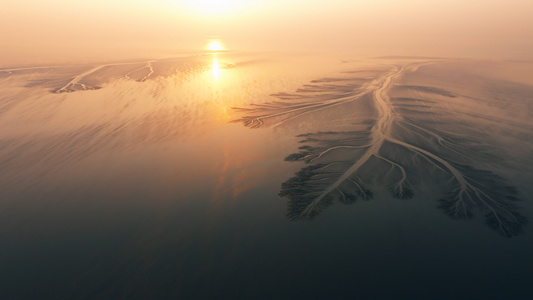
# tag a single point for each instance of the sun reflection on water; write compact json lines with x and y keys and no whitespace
{"x":216,"y":68}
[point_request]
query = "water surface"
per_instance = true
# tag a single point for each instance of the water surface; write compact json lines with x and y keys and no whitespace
{"x":262,"y":176}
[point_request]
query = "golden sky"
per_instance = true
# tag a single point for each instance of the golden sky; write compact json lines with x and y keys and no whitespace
{"x":68,"y":30}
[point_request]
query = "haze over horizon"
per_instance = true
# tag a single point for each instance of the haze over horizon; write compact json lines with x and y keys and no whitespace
{"x":59,"y":31}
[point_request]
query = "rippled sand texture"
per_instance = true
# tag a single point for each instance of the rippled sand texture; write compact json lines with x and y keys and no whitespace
{"x":405,"y":126}
{"x":55,"y":117}
{"x":53,"y":122}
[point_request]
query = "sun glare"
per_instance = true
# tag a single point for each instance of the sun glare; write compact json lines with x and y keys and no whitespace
{"x":215,"y":46}
{"x":215,"y":7}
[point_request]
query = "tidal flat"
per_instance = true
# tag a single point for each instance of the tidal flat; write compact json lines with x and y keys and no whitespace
{"x":267,"y":176}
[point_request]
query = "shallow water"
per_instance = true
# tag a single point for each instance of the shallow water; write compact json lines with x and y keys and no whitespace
{"x":162,"y":178}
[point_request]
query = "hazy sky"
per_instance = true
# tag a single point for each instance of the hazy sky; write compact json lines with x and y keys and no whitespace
{"x":67,"y":30}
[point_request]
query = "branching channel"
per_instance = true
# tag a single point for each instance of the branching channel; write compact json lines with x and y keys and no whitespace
{"x":342,"y":165}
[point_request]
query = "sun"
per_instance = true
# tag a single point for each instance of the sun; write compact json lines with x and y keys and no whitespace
{"x":215,"y":46}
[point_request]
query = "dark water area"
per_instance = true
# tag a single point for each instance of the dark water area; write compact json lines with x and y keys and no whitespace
{"x":259,"y":176}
